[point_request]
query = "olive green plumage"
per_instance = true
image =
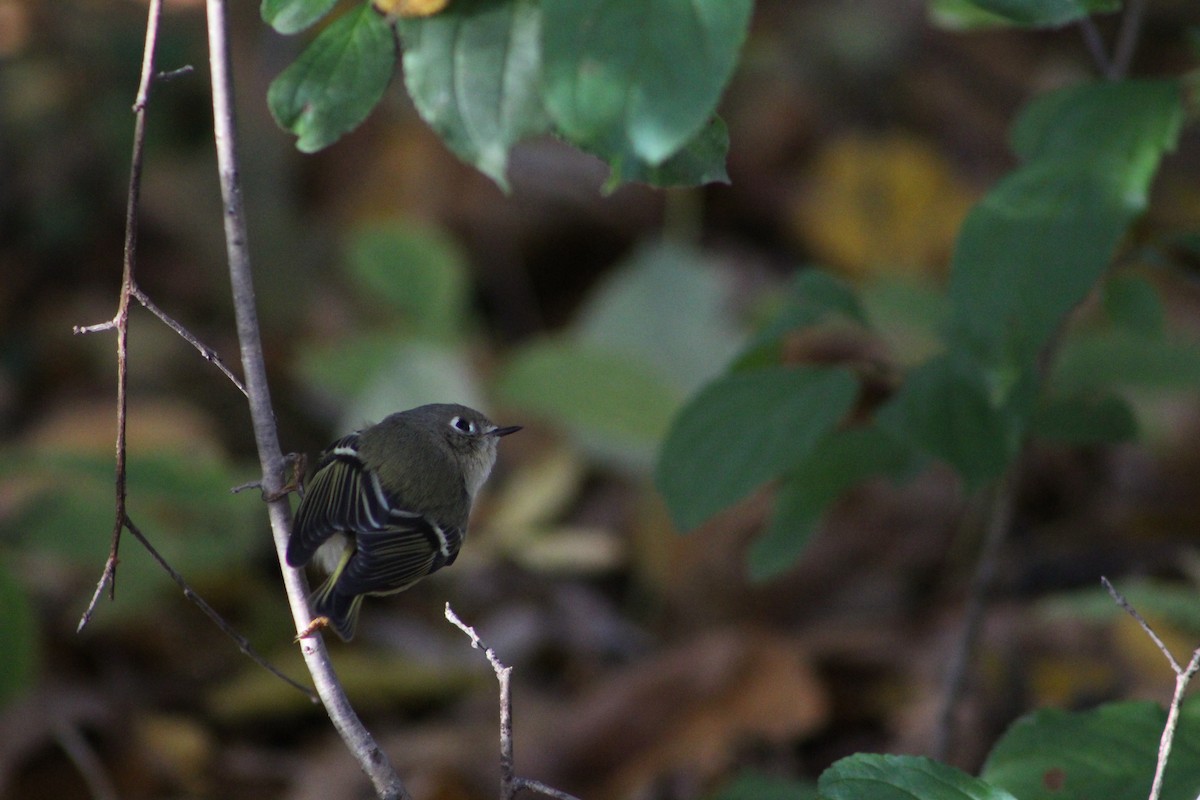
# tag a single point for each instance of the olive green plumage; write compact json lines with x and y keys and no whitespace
{"x":389,"y":505}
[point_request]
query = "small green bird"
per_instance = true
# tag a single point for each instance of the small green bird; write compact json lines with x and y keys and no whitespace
{"x":389,"y":505}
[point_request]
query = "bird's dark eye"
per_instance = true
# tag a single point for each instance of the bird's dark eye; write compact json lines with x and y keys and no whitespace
{"x":462,"y":425}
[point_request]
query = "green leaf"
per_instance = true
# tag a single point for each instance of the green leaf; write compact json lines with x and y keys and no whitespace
{"x":595,"y":393}
{"x":700,"y":161}
{"x":1101,"y":360}
{"x":638,"y":78}
{"x":183,"y":505}
{"x":909,"y":316}
{"x":474,"y":74}
{"x":838,"y":462}
{"x":946,"y":409}
{"x":1038,"y":242}
{"x":666,"y":307}
{"x":418,"y":274}
{"x":1170,"y":603}
{"x":19,"y":656}
{"x":744,"y":429}
{"x":1085,"y":419}
{"x":412,"y":373}
{"x":293,"y":16}
{"x":1132,"y":302}
{"x":336,"y":81}
{"x":814,"y":296}
{"x":867,"y":776}
{"x":1029,"y":13}
{"x":963,"y":15}
{"x":1109,"y":752}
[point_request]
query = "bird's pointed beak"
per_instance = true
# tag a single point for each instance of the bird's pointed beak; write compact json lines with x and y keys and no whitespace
{"x":505,"y":431}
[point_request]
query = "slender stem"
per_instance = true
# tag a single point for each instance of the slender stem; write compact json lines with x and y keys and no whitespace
{"x":86,"y":761}
{"x":1127,"y":37}
{"x":999,"y":520}
{"x":241,"y":641}
{"x":510,"y":784}
{"x":1095,"y":45}
{"x":1183,"y":677}
{"x":360,"y":742}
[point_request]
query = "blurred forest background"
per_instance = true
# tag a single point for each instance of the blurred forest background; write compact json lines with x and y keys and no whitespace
{"x":389,"y":274}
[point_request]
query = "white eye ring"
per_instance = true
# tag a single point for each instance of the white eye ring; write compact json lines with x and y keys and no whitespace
{"x":463,"y":425}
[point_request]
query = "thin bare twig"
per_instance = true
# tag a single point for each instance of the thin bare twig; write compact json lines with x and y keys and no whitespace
{"x":1183,"y":676}
{"x":1133,"y":612}
{"x":999,"y":519}
{"x":121,"y":321}
{"x":1094,"y":42}
{"x":241,"y":641}
{"x":1127,"y":37}
{"x":373,"y":761}
{"x":84,"y":757}
{"x":510,"y":784}
{"x":206,"y":352}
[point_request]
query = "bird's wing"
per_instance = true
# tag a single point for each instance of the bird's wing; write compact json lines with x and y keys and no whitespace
{"x":342,"y":496}
{"x":399,"y":555}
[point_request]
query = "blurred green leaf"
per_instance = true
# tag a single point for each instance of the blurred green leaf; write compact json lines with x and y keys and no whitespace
{"x":592,"y":391}
{"x":182,"y":503}
{"x":293,"y":16}
{"x":625,"y":78}
{"x":344,"y":368}
{"x":1100,"y":360}
{"x":1109,"y":752}
{"x":868,"y":776}
{"x":413,"y":373}
{"x":701,"y":160}
{"x":909,"y":316}
{"x":946,"y":409}
{"x":1030,"y":13}
{"x":964,"y":15}
{"x":336,"y":81}
{"x":815,"y":295}
{"x":1085,"y":419}
{"x":838,"y":462}
{"x":1132,"y":302}
{"x":474,"y":73}
{"x":751,"y":785}
{"x":420,"y":276}
{"x":1038,"y":242}
{"x":744,"y":429}
{"x":1172,"y":603}
{"x":666,"y":307}
{"x":19,"y":656}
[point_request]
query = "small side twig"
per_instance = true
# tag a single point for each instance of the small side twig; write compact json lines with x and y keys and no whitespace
{"x":1127,"y":36}
{"x":206,"y":352}
{"x":242,"y":642}
{"x":1183,"y":676}
{"x":120,"y":321}
{"x":510,"y":784}
{"x":1094,"y":41}
{"x":86,"y":761}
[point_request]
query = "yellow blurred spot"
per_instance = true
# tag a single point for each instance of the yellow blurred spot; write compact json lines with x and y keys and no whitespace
{"x":881,"y":205}
{"x":411,"y":8}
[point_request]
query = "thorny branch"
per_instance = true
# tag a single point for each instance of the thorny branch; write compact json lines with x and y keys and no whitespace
{"x":1183,"y":676}
{"x":120,"y":323}
{"x":510,"y":784}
